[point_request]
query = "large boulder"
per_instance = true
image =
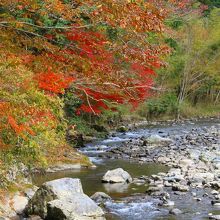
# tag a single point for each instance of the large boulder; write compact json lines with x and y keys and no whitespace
{"x":79,"y":207}
{"x":49,"y":198}
{"x":117,"y":176}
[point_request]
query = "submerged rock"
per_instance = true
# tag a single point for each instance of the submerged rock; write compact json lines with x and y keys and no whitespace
{"x":117,"y":176}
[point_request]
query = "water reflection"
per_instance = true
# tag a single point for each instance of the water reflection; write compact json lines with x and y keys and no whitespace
{"x":116,"y":187}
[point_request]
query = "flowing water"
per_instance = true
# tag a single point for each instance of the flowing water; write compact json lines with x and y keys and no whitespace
{"x":129,"y":201}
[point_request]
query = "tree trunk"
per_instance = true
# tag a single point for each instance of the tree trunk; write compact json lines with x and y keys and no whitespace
{"x":186,"y":71}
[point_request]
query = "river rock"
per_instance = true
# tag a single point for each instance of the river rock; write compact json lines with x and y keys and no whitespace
{"x":157,"y":139}
{"x":203,"y":177}
{"x":215,"y":185}
{"x":186,"y":162}
{"x":117,"y":176}
{"x":66,"y":191}
{"x":175,"y":211}
{"x":122,"y":129}
{"x":214,"y":192}
{"x":163,"y":160}
{"x":217,"y":166}
{"x":78,"y":207}
{"x":100,"y":197}
{"x":179,"y":187}
{"x":154,"y":188}
{"x":215,"y":202}
{"x":214,"y":217}
{"x":168,"y":203}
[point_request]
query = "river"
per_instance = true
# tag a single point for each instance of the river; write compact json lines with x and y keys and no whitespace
{"x":130,"y":202}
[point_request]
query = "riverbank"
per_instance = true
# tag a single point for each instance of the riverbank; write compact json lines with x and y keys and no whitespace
{"x":17,"y":187}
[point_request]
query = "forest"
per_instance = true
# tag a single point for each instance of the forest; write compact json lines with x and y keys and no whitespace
{"x":74,"y":71}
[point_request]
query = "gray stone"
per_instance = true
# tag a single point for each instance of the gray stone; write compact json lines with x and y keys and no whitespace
{"x":215,"y":185}
{"x":169,"y":203}
{"x":181,"y":188}
{"x":79,"y":207}
{"x":215,"y":202}
{"x":186,"y":162}
{"x":217,"y":166}
{"x":202,"y":177}
{"x":156,"y":139}
{"x":100,"y":197}
{"x":167,"y":184}
{"x":175,"y":211}
{"x":214,"y":217}
{"x":57,"y":189}
{"x":122,"y":129}
{"x":138,"y":182}
{"x":154,"y":188}
{"x":194,"y":194}
{"x":117,"y":176}
{"x":214,"y":192}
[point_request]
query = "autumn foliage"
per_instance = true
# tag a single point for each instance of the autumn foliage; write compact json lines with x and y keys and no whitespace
{"x":102,"y":50}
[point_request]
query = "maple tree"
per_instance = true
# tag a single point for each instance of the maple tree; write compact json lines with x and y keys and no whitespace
{"x":101,"y":50}
{"x":86,"y":53}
